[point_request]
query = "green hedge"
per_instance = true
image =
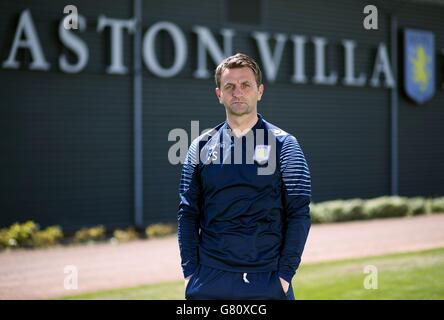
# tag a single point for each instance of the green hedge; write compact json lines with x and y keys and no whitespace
{"x":89,"y":235}
{"x":337,"y":210}
{"x":125,"y":235}
{"x":437,"y":205}
{"x":381,"y":207}
{"x":28,"y":235}
{"x":159,"y":230}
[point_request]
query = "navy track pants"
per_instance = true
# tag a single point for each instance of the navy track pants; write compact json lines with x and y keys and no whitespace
{"x":208,"y":283}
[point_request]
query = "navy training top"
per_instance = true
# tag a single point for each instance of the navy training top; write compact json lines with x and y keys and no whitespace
{"x":244,"y":202}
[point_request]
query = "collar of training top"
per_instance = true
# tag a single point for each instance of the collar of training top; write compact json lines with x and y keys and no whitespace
{"x":259,"y":124}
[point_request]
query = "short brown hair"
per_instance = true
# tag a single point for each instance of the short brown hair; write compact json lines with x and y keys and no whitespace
{"x":239,"y":60}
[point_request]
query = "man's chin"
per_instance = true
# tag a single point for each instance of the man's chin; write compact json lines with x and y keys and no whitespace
{"x":239,"y":110}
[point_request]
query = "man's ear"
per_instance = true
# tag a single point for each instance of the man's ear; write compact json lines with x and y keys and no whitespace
{"x":218,"y":95}
{"x":261,"y":92}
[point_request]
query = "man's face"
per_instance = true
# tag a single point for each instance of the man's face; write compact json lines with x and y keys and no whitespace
{"x":238,"y":91}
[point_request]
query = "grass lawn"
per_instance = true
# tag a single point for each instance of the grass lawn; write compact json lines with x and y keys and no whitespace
{"x":418,"y":275}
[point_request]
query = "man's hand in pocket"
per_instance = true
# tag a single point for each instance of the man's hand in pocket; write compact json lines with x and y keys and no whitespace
{"x":285,"y":285}
{"x":187,"y":279}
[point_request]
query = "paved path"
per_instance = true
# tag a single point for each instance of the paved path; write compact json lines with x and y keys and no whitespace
{"x":39,"y":274}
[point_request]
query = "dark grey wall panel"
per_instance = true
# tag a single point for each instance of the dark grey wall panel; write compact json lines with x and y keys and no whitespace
{"x":421,"y":129}
{"x":66,"y":140}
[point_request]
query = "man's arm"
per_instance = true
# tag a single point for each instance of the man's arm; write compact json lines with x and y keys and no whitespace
{"x":296,"y":195}
{"x":189,"y":211}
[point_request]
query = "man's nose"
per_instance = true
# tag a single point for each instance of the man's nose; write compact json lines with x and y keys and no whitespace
{"x":237,"y":92}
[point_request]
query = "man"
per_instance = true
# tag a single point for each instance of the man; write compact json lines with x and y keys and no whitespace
{"x":242,"y":228}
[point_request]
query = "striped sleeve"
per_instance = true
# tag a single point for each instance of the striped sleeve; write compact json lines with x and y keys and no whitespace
{"x":189,"y":211}
{"x":296,"y":197}
{"x":294,"y":169}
